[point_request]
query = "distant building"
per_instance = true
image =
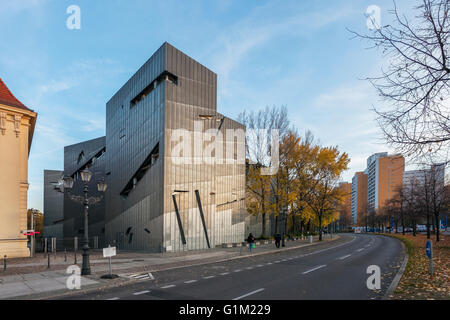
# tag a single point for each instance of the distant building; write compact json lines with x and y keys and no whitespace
{"x":345,"y":210}
{"x":384,"y":178}
{"x":359,"y":196}
{"x":17,"y":124}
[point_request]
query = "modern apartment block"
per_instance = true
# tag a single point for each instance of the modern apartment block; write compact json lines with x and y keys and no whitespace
{"x":384,"y":178}
{"x":435,"y":176}
{"x":379,"y":182}
{"x":174,"y":166}
{"x":359,"y":196}
{"x":345,"y":212}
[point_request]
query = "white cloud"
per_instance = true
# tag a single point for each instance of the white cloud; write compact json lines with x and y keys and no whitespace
{"x":236,"y":42}
{"x":16,"y":6}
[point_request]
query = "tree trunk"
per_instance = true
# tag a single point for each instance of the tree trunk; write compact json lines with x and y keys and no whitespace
{"x":276,"y":224}
{"x":320,"y":228}
{"x":437,"y":226}
{"x":263,"y":230}
{"x":403,"y":223}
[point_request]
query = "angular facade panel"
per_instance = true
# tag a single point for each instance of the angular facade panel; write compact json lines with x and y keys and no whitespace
{"x":53,"y":204}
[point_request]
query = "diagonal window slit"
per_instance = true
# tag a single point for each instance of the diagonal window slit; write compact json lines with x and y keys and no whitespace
{"x":147,"y":164}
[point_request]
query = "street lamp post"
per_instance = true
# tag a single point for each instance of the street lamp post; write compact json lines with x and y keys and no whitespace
{"x":86,"y":176}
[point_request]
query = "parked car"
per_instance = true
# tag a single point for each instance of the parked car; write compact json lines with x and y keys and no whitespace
{"x":421,"y":228}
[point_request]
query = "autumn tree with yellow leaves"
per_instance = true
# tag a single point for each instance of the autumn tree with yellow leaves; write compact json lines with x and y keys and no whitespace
{"x":323,"y":195}
{"x":305,"y":186}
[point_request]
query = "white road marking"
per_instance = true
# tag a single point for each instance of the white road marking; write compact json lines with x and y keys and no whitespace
{"x":208,"y":277}
{"x":344,"y":257}
{"x":169,"y":286}
{"x":224,"y":274}
{"x":269,"y":263}
{"x":249,"y":294}
{"x":359,"y":250}
{"x":314,"y":269}
{"x":314,"y":252}
{"x":260,"y":265}
{"x":239,"y":270}
{"x":276,"y":261}
{"x":190,"y":281}
{"x":115,"y":298}
{"x":141,"y":292}
{"x":249,"y":268}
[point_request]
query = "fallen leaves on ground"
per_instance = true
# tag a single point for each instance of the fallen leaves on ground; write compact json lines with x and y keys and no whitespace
{"x":416,"y":282}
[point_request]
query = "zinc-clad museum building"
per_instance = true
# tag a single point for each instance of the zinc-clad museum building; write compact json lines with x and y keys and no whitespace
{"x":170,"y":188}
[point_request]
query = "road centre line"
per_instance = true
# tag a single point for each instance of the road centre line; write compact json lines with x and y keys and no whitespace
{"x":249,"y":294}
{"x":190,"y":281}
{"x":141,"y":292}
{"x":314,"y":269}
{"x":169,"y":286}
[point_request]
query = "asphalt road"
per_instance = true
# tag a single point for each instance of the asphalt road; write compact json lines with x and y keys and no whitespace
{"x":331,"y":270}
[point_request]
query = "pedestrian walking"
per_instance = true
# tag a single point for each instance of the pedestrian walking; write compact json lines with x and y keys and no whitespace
{"x":251,"y":242}
{"x":277,"y":240}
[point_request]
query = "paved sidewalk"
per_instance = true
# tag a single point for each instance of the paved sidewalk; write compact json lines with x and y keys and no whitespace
{"x":32,"y":279}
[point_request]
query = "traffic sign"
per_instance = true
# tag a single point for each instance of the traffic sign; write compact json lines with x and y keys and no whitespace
{"x":109,"y":252}
{"x":429,"y":249}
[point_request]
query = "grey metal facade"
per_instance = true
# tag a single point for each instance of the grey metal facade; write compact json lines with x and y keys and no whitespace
{"x":53,"y":205}
{"x":170,"y":92}
{"x":89,"y":154}
{"x":154,"y":201}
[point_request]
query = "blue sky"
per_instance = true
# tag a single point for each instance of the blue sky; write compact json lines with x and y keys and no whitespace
{"x":293,"y":53}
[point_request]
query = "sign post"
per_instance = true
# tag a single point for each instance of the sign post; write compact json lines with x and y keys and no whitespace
{"x":429,"y":251}
{"x":108,"y":253}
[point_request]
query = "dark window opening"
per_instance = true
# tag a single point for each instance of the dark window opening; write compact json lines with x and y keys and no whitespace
{"x":128,"y":230}
{"x":89,"y":163}
{"x":147,"y":164}
{"x":163,"y":76}
{"x":80,"y":157}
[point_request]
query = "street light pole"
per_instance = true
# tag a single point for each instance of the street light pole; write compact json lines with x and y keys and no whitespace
{"x":86,"y":176}
{"x":32,"y":241}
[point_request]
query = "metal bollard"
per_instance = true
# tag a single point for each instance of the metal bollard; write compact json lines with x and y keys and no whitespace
{"x":65,"y":255}
{"x":54,"y":246}
{"x":4,"y":263}
{"x":75,"y":262}
{"x":48,"y":260}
